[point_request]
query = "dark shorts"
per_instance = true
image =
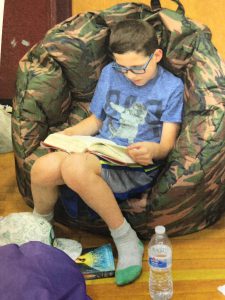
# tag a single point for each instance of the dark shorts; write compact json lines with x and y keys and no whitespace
{"x":128,"y":181}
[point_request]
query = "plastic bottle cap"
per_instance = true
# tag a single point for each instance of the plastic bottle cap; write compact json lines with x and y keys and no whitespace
{"x":160,"y":229}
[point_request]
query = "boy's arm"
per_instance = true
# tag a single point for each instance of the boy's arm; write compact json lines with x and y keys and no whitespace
{"x":144,"y":152}
{"x":88,"y":126}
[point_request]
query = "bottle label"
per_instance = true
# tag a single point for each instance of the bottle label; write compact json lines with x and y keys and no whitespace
{"x":160,"y":257}
{"x":156,"y":262}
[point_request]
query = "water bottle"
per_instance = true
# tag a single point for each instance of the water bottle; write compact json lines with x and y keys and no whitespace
{"x":160,"y":262}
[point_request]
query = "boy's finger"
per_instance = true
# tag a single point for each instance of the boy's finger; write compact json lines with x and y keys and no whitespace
{"x":134,"y":146}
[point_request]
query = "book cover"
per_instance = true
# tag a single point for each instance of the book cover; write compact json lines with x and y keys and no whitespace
{"x":97,"y":262}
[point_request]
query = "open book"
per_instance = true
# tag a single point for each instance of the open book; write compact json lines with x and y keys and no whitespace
{"x":106,"y":149}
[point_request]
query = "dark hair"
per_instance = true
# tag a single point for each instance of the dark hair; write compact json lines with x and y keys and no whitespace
{"x":133,"y":35}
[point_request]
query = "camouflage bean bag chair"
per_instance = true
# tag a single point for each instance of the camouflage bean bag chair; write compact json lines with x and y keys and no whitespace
{"x":55,"y":83}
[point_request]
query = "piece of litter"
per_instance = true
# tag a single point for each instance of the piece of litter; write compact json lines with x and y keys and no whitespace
{"x":25,"y":43}
{"x":13,"y":42}
{"x":70,"y":247}
{"x":221,"y":288}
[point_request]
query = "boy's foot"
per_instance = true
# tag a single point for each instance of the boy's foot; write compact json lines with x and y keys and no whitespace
{"x":130,"y":251}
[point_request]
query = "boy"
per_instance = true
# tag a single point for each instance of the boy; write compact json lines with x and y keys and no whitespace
{"x":137,"y":104}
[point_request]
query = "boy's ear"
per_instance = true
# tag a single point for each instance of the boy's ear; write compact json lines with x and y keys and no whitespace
{"x":158,"y":55}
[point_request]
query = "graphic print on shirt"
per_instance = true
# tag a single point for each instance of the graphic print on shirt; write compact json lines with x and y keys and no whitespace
{"x":130,"y":118}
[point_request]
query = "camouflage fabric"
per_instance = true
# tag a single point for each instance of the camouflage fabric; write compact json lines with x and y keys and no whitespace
{"x":56,"y":80}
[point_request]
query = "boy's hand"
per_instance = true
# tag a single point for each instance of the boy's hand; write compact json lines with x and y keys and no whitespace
{"x":142,"y":152}
{"x":88,"y":126}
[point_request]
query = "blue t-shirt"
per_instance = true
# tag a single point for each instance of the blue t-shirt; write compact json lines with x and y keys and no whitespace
{"x":132,"y":113}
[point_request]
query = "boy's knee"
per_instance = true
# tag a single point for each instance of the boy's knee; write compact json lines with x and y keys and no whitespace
{"x":37,"y":171}
{"x":76,"y":168}
{"x":46,"y":168}
{"x":73,"y":165}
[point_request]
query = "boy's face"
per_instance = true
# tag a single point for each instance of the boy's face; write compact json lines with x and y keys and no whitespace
{"x":133,"y":59}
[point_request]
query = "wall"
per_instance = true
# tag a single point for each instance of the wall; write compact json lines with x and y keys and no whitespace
{"x":1,"y":23}
{"x":208,"y":12}
{"x":24,"y":24}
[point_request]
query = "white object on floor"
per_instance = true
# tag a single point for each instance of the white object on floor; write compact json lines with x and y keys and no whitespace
{"x":23,"y":227}
{"x":72,"y":248}
{"x":20,"y":228}
{"x":221,"y":288}
{"x":5,"y":129}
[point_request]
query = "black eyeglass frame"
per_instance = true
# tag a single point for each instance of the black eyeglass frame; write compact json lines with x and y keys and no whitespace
{"x":135,"y":70}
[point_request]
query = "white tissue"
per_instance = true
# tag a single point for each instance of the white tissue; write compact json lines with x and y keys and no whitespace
{"x":221,"y":288}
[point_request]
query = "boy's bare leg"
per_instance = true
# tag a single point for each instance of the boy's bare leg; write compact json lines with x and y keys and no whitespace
{"x":45,"y":178}
{"x":82,"y":173}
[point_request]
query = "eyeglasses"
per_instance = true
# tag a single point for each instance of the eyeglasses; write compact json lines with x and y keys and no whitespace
{"x":135,"y":70}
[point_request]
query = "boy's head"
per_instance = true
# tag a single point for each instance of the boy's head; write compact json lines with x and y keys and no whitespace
{"x":133,"y":35}
{"x":135,"y":49}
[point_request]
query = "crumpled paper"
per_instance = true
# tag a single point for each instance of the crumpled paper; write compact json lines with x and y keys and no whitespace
{"x":20,"y":228}
{"x":221,"y":289}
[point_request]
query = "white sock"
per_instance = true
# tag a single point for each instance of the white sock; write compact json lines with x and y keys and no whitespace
{"x":49,"y":217}
{"x":130,"y":251}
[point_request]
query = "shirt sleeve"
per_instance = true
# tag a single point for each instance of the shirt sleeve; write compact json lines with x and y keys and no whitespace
{"x":99,"y":98}
{"x":174,"y":108}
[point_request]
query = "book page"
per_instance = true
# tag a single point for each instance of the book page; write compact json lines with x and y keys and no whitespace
{"x":73,"y":143}
{"x":65,"y":142}
{"x":117,"y":152}
{"x":90,"y":140}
